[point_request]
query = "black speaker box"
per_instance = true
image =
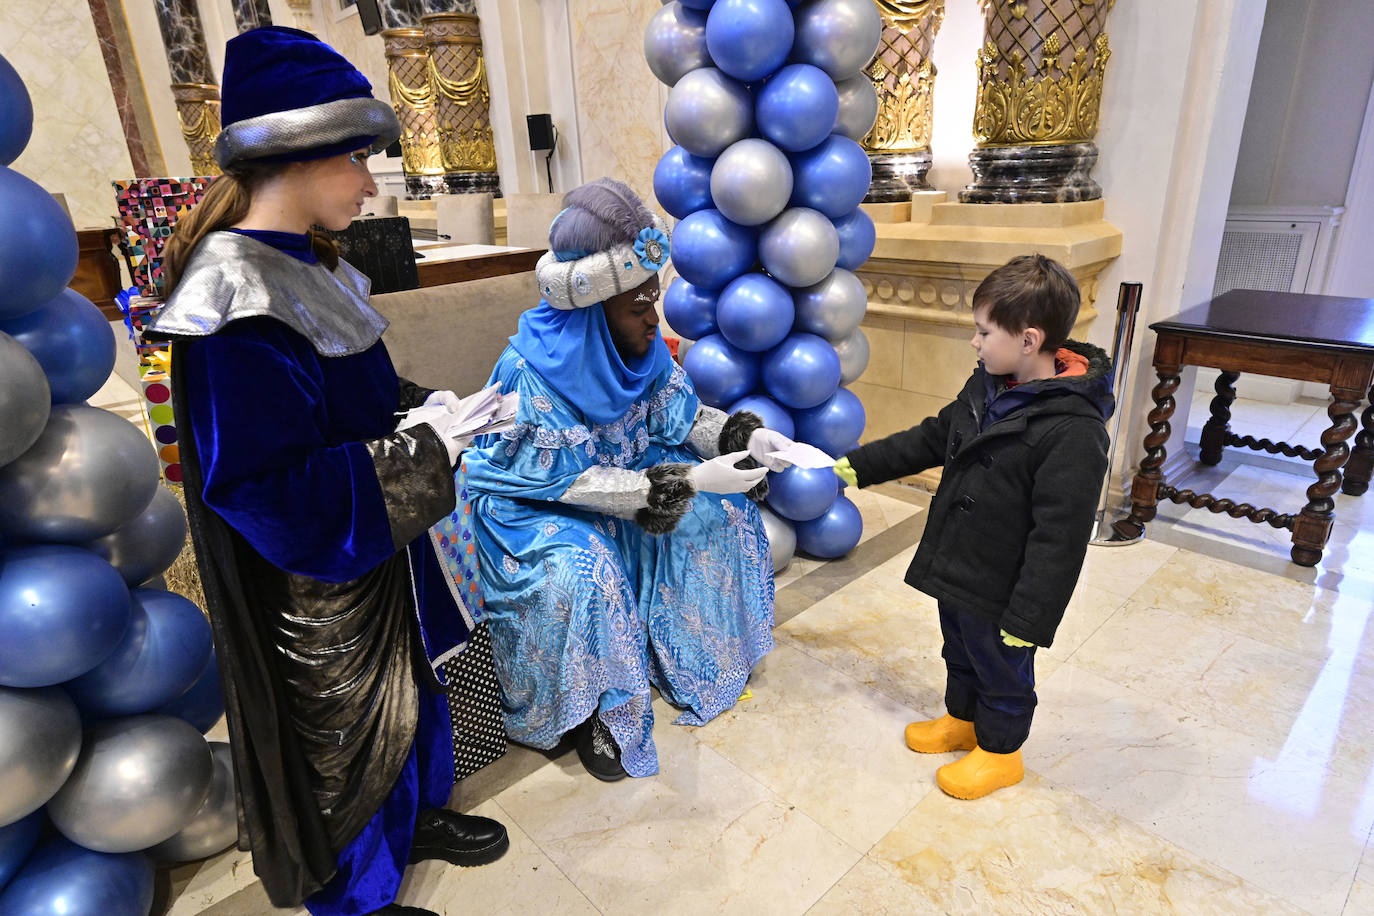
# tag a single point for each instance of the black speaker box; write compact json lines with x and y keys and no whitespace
{"x":541,"y":131}
{"x":370,"y":17}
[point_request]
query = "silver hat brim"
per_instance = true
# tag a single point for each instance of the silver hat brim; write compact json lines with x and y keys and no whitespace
{"x":283,"y":132}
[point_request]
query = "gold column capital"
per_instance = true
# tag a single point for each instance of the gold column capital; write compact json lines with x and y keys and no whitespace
{"x":198,"y":112}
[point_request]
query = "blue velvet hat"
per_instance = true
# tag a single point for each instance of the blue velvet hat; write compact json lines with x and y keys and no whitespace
{"x":289,"y":97}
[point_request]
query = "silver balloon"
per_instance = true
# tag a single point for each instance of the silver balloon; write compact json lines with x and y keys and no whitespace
{"x":707,"y":111}
{"x":839,"y":36}
{"x":853,"y":353}
{"x":833,"y":307}
{"x":40,"y":738}
{"x":89,"y":472}
{"x":146,"y":546}
{"x":858,"y":107}
{"x":751,"y":182}
{"x":782,"y":539}
{"x":139,"y":781}
{"x":675,"y":43}
{"x":799,"y":247}
{"x":25,"y":398}
{"x":213,"y":828}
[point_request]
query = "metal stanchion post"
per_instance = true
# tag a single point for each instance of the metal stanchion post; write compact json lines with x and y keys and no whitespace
{"x":1127,"y":305}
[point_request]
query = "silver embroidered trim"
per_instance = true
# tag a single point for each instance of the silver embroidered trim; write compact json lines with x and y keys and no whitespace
{"x":595,"y":278}
{"x":611,"y":491}
{"x":281,"y":132}
{"x":232,"y":276}
{"x":704,"y":437}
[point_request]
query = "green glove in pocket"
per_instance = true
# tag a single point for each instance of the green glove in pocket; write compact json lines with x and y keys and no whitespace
{"x":1009,"y":640}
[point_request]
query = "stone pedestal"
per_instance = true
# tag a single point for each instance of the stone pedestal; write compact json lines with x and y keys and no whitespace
{"x":920,"y":283}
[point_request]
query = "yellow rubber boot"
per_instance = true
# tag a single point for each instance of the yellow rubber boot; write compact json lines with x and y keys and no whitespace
{"x":940,"y":736}
{"x":980,"y":773}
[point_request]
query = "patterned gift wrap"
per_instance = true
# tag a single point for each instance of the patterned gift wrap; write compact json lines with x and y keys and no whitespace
{"x":148,"y":209}
{"x":154,"y":362}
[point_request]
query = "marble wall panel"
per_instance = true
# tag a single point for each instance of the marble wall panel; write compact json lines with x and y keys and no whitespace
{"x":78,"y":143}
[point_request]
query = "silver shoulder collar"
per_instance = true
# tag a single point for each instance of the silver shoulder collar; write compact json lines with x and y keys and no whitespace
{"x":232,"y":276}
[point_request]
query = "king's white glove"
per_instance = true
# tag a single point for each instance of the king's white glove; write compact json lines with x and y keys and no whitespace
{"x":445,"y":399}
{"x":719,"y":475}
{"x":764,"y":440}
{"x":440,"y":419}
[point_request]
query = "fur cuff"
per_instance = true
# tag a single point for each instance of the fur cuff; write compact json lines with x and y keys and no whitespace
{"x":670,"y":496}
{"x":734,"y":437}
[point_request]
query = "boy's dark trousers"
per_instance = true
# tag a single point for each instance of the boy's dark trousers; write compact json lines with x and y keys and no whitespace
{"x":989,"y":683}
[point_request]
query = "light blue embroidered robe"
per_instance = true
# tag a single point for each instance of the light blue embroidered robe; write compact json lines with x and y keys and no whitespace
{"x":586,"y":610}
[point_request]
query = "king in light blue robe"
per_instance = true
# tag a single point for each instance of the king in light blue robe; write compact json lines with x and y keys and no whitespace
{"x":588,"y":610}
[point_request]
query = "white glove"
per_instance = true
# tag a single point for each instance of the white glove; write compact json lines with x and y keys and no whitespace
{"x":719,"y":475}
{"x":764,"y":440}
{"x":445,"y":399}
{"x":439,"y":419}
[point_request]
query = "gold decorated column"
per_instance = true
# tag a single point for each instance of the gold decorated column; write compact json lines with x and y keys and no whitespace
{"x":193,"y":82}
{"x":458,"y":72}
{"x":1040,"y":74}
{"x":904,"y":75}
{"x":198,"y":110}
{"x":413,"y":95}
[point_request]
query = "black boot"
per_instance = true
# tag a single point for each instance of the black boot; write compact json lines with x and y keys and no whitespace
{"x":461,"y":839}
{"x":597,"y":750}
{"x":397,"y":909}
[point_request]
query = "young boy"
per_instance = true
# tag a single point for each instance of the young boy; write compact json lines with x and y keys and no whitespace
{"x":1024,"y":449}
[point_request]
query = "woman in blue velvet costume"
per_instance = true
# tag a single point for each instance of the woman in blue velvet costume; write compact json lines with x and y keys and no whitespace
{"x":612,"y":556}
{"x":309,"y":501}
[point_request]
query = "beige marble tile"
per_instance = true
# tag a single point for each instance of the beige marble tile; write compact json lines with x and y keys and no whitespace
{"x":1037,"y":849}
{"x":879,"y":512}
{"x":858,"y":777}
{"x":871,"y":890}
{"x":1121,"y":570}
{"x":1275,"y":815}
{"x":1272,"y":609}
{"x":1361,"y":899}
{"x":215,"y":879}
{"x":524,"y":880}
{"x":1320,"y":710}
{"x":700,"y":837}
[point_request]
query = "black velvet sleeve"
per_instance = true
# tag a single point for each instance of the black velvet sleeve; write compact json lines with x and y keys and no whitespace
{"x":910,"y":451}
{"x":411,"y":395}
{"x":416,"y":479}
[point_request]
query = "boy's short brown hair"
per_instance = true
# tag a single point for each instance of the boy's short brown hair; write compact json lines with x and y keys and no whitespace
{"x":1031,"y":291}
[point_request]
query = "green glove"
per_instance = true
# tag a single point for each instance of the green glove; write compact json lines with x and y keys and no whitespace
{"x":1008,"y":639}
{"x":846,"y":473}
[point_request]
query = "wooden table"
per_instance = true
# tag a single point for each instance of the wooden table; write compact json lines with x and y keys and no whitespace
{"x":456,"y":263}
{"x":1290,"y":335}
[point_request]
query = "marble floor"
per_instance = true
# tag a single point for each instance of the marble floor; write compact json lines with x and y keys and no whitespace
{"x":1202,"y":745}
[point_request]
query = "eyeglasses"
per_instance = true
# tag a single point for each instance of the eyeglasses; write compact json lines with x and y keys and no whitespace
{"x":359,"y":158}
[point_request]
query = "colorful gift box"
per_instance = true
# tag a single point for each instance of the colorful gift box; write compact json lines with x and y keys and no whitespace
{"x":148,"y":209}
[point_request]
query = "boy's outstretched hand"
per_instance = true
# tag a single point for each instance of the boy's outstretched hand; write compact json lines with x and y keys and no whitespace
{"x":846,"y":473}
{"x":1009,"y":640}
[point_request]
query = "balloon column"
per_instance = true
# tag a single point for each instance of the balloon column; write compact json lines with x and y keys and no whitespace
{"x":768,"y":103}
{"x":103,"y":684}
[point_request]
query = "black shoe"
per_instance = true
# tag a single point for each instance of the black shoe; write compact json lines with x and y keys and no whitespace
{"x":597,"y":750}
{"x":397,"y":909}
{"x":461,"y":839}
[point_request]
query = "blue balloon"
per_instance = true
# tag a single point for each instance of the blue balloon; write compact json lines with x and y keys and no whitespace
{"x":16,"y":114}
{"x":690,"y":310}
{"x":755,"y":312}
{"x":697,"y":4}
{"x":73,"y":343}
{"x":857,"y":235}
{"x":62,"y":610}
{"x":203,"y":704}
{"x":709,"y":251}
{"x":833,"y":533}
{"x":773,"y":414}
{"x":165,"y":649}
{"x":832,"y":178}
{"x":721,"y":374}
{"x":37,"y":245}
{"x":801,"y":494}
{"x":16,"y":842}
{"x":682,"y":182}
{"x":797,"y":107}
{"x":749,"y":39}
{"x":833,"y":424}
{"x":802,"y":371}
{"x":63,"y":878}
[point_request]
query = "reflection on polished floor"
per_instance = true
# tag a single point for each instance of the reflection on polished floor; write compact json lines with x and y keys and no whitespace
{"x":1202,"y":745}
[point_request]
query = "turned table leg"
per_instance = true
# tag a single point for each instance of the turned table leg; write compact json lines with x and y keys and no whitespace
{"x":1357,"y":472}
{"x":1312,"y":527}
{"x":1214,"y":432}
{"x":1145,"y":487}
